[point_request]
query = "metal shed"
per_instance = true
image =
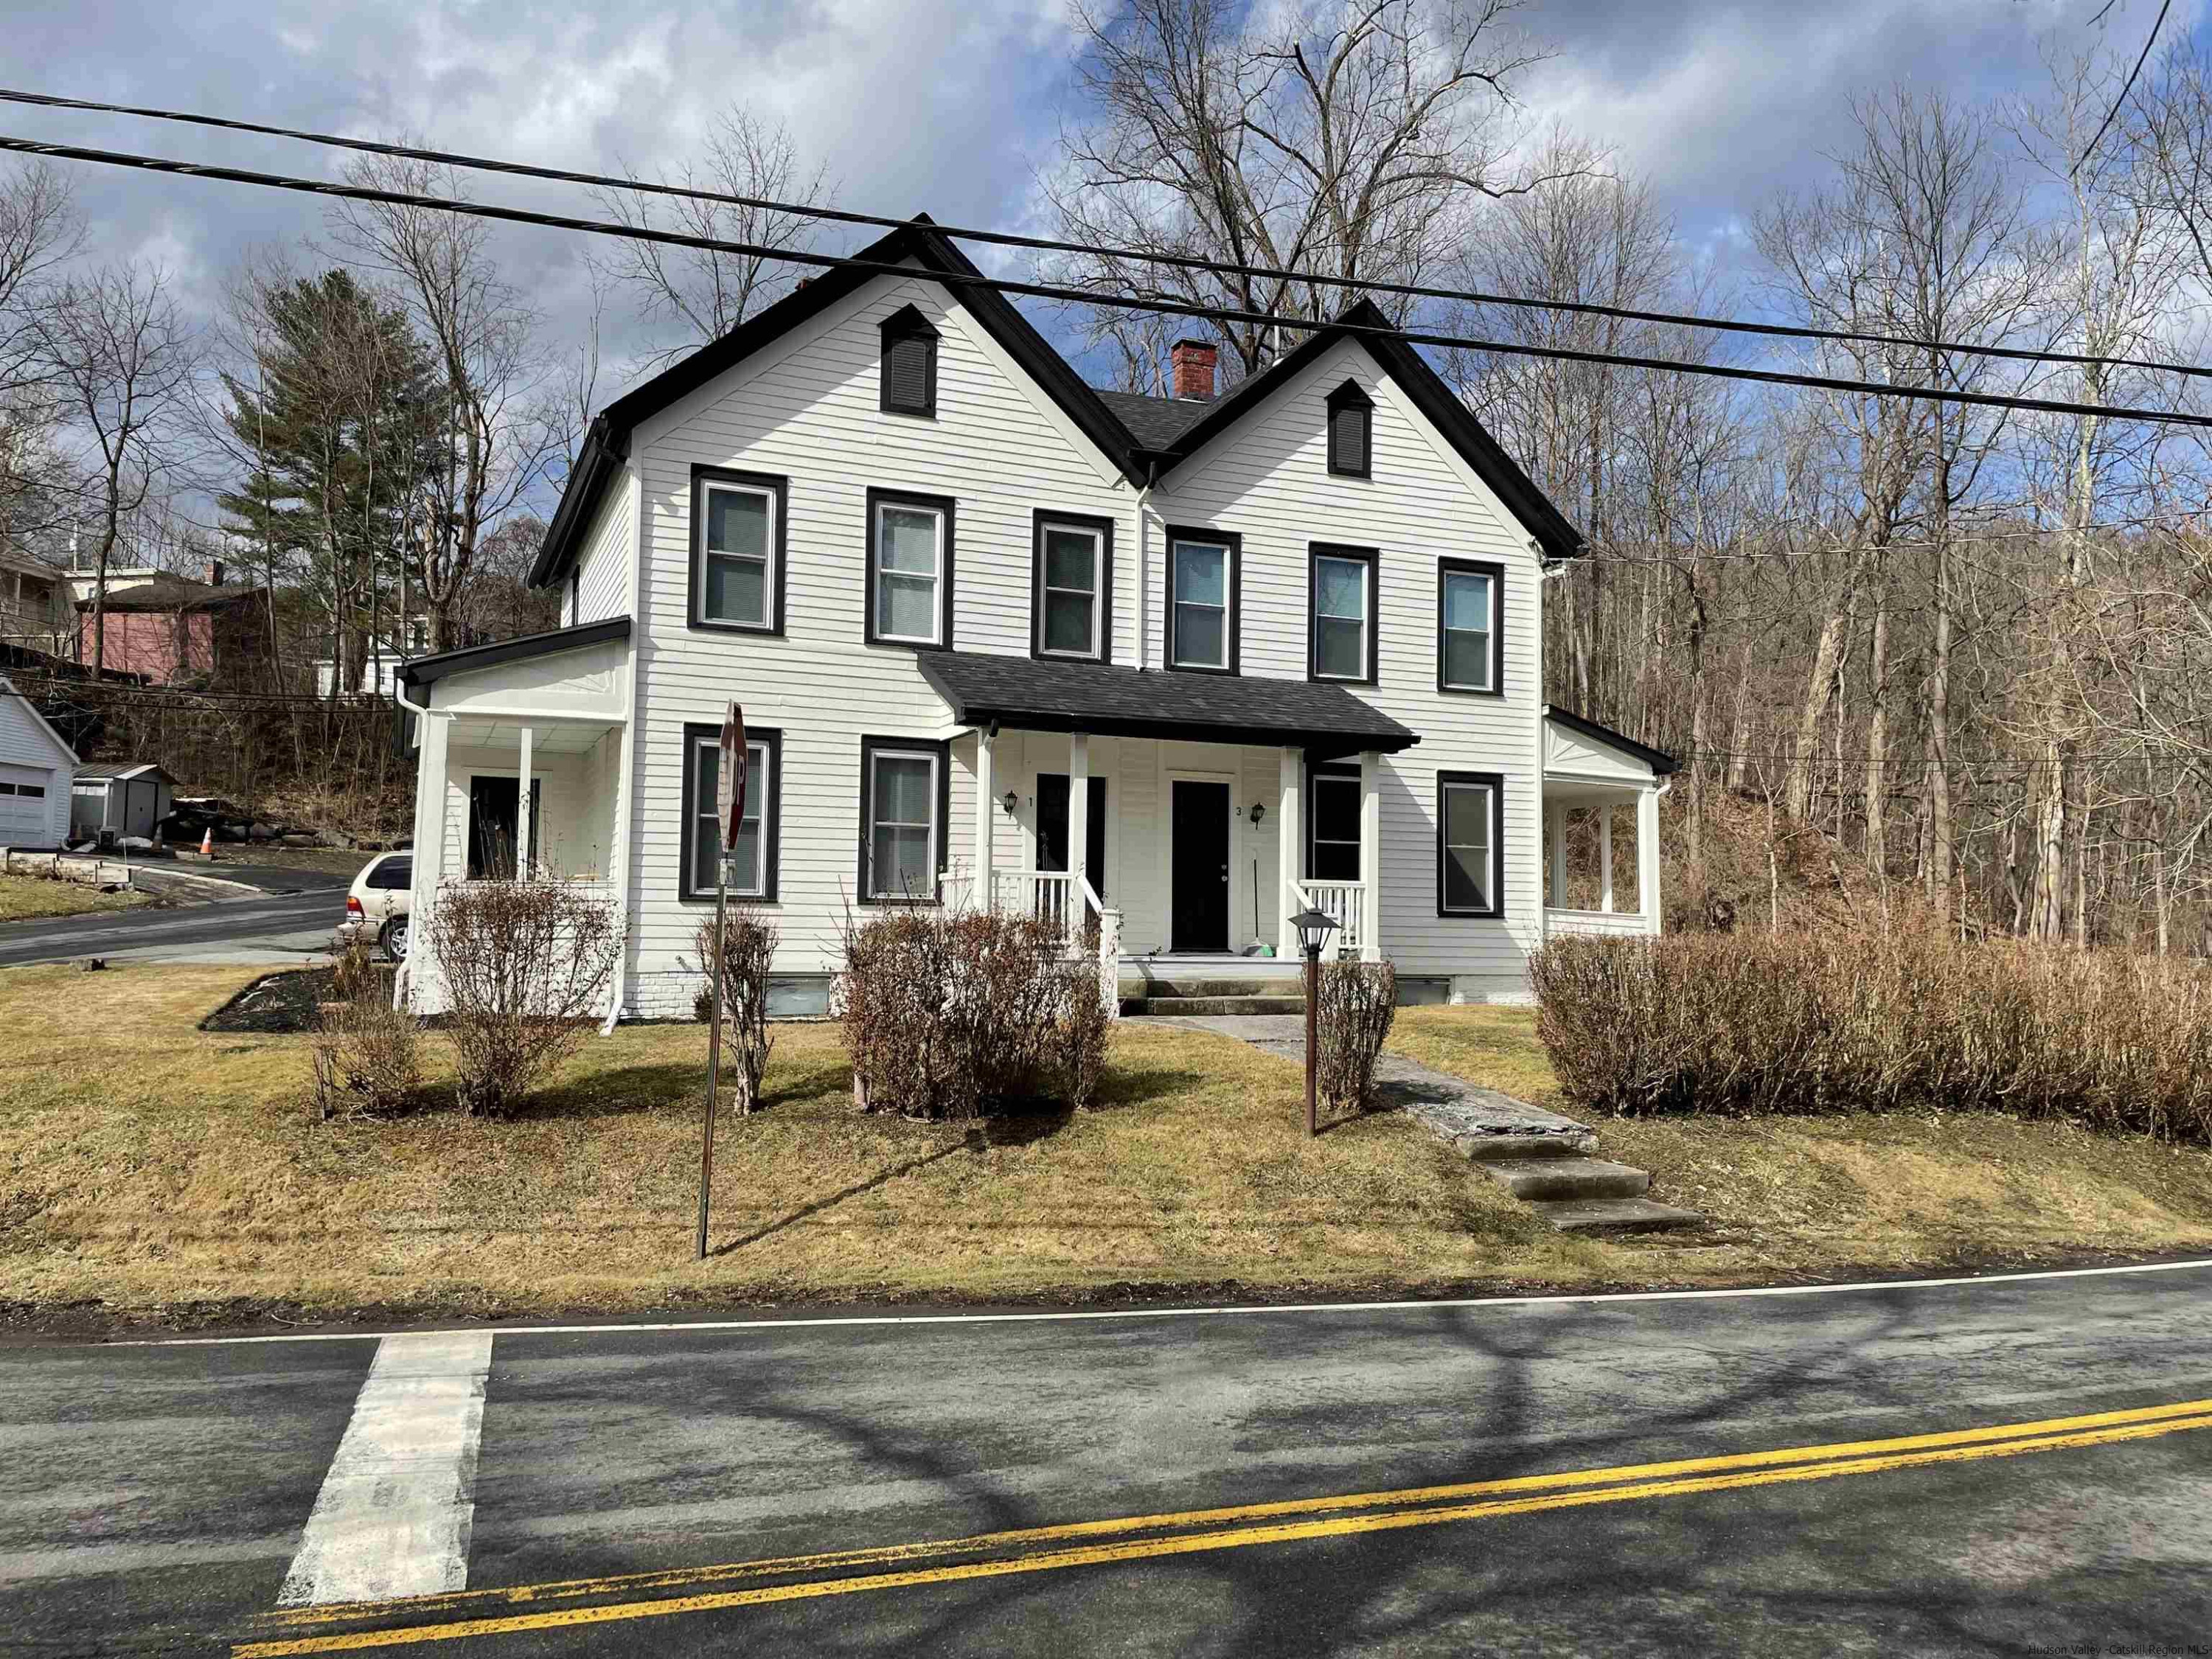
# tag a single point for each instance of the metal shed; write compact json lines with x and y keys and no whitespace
{"x":125,"y":798}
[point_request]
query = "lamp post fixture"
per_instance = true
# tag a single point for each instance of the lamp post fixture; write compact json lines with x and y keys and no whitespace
{"x":1313,"y":926}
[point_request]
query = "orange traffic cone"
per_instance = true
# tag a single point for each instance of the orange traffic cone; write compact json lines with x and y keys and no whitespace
{"x":207,"y":842}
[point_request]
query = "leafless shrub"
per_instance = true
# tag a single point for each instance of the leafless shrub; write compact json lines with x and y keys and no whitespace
{"x":366,"y":1053}
{"x":1359,"y":1001}
{"x":749,"y":944}
{"x":955,"y":1014}
{"x":1911,"y":1021}
{"x":525,"y":966}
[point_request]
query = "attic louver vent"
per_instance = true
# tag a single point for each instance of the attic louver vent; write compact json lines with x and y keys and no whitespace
{"x":1351,"y":418}
{"x":909,"y":366}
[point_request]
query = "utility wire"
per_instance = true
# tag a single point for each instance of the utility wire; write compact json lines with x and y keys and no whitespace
{"x":2157,"y":23}
{"x":1050,"y":244}
{"x":1048,"y":291}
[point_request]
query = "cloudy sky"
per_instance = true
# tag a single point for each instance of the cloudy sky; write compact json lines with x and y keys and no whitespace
{"x":949,"y":106}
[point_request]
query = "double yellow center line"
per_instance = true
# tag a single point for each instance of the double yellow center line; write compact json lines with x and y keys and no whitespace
{"x":581,"y":1602}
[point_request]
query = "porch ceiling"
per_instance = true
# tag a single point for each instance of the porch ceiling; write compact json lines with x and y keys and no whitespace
{"x":1027,"y":694}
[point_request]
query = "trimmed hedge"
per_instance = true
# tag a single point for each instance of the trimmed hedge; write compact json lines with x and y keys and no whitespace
{"x":1912,"y":1021}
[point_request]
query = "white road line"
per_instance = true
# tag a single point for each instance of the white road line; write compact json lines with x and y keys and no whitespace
{"x":1585,"y":1299}
{"x":393,"y":1516}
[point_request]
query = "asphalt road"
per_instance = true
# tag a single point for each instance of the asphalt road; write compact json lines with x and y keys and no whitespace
{"x":1281,"y":1468}
{"x":294,"y":918}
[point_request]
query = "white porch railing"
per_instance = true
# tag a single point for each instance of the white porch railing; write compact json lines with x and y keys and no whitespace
{"x":1606,"y":924}
{"x":1065,"y":903}
{"x":1347,"y":901}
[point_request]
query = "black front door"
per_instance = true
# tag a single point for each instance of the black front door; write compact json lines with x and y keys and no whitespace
{"x":1199,"y":829}
{"x":495,"y":818}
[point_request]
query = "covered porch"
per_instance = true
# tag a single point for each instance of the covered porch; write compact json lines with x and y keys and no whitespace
{"x":1212,"y":809}
{"x":1596,"y":783}
{"x":521,"y":773}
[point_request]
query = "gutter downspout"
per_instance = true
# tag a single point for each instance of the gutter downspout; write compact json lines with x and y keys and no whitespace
{"x":403,"y":982}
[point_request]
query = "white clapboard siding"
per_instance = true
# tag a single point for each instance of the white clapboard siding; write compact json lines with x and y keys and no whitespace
{"x":1267,"y":479}
{"x":603,"y":568}
{"x":30,"y":754}
{"x":806,"y":408}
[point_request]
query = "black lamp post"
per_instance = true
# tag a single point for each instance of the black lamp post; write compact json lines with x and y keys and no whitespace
{"x":1313,"y":926}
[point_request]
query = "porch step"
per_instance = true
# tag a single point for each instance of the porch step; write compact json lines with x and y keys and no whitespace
{"x":1614,"y":1215}
{"x":1536,"y":1179}
{"x":1224,"y":986}
{"x":1214,"y":1005}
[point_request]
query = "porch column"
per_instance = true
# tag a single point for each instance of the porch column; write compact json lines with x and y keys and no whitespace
{"x":1078,"y":825}
{"x":985,"y":897}
{"x":1286,"y":854}
{"x":526,"y":811}
{"x":1555,"y":816}
{"x":1370,"y":856}
{"x":1647,"y":858}
{"x":1605,"y":858}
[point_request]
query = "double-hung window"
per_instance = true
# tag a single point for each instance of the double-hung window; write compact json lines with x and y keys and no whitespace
{"x":1470,"y":644}
{"x":1074,"y":578}
{"x":1469,"y":821}
{"x":1341,"y":581}
{"x":902,"y":790}
{"x":1202,"y":601}
{"x":737,"y":550}
{"x":910,"y":568}
{"x":753,"y":861}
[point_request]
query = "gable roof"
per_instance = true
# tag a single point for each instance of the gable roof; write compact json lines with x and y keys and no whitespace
{"x":421,"y":670}
{"x":1145,"y":438}
{"x":1660,"y":762}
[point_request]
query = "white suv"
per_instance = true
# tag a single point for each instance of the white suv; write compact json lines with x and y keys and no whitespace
{"x":376,"y":905}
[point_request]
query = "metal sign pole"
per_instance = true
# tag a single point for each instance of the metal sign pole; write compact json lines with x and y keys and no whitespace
{"x":729,"y":814}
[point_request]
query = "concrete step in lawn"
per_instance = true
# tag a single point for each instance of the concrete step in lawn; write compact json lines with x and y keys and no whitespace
{"x":1554,"y":1175}
{"x":1532,"y":1179}
{"x":1614,"y":1215}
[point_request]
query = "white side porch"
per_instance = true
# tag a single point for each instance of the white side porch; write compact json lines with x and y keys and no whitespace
{"x":521,"y":775}
{"x":1594,"y":779}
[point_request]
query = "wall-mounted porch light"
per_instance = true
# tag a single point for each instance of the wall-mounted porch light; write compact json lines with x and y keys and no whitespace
{"x":1010,"y":800}
{"x":1258,"y":811}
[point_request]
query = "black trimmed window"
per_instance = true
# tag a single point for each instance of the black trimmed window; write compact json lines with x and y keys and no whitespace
{"x":1470,"y":836}
{"x":738,"y":549}
{"x":1072,"y":586}
{"x":1350,"y":431}
{"x":909,"y":363}
{"x":1332,"y":822}
{"x":905,"y":800}
{"x":910,"y":596}
{"x":754,"y":864}
{"x":1203,"y":599}
{"x":1342,"y":585}
{"x":1470,"y":626}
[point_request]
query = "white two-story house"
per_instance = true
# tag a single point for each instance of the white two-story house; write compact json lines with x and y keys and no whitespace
{"x":1185,"y":666}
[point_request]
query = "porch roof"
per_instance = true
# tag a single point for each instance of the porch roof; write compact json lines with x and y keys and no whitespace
{"x":1042,"y":695}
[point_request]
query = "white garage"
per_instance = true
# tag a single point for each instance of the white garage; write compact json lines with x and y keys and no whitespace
{"x":36,"y":767}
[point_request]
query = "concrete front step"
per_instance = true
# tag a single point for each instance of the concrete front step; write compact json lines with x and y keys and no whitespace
{"x":1615,"y":1215}
{"x":1497,"y":1148}
{"x":1249,"y":1004}
{"x":1210,"y":984}
{"x":1535,"y":1179}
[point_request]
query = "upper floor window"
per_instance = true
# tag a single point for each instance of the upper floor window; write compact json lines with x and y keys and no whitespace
{"x":910,"y":568}
{"x":1470,"y":637}
{"x":1350,"y":431}
{"x":910,"y":365}
{"x":737,"y":550}
{"x":1072,"y":594}
{"x":1202,"y":601}
{"x":753,"y":860}
{"x":1341,"y":627}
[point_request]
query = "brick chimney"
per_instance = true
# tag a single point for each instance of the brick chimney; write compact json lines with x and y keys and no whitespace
{"x":1193,"y":361}
{"x":214,"y":573}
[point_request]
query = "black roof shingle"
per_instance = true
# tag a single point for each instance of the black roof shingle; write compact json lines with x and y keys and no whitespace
{"x":1030,"y":694}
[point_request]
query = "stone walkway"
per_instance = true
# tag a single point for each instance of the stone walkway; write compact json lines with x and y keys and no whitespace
{"x":1458,"y":1110}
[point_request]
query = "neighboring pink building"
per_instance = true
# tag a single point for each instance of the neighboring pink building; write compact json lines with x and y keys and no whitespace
{"x":170,"y":628}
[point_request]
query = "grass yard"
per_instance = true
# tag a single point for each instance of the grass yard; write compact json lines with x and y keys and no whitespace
{"x":25,"y":898}
{"x":148,"y":1167}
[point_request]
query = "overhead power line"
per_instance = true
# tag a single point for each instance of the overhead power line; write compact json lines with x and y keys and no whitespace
{"x":329,"y":190}
{"x":1051,"y":245}
{"x":2104,"y":126}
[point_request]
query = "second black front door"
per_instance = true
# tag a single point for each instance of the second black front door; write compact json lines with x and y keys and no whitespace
{"x":1198,"y":823}
{"x":1052,"y":793}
